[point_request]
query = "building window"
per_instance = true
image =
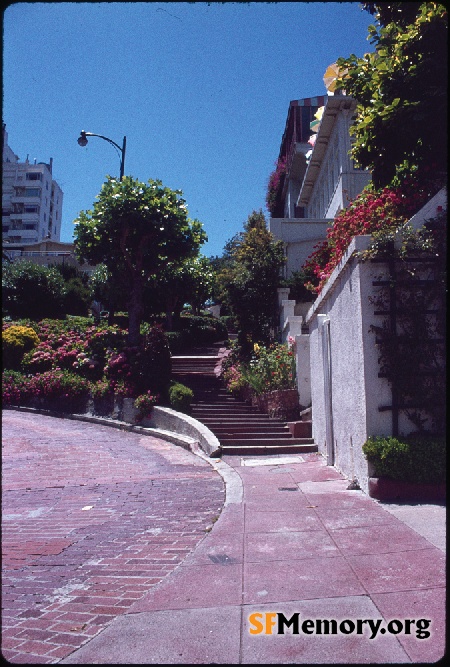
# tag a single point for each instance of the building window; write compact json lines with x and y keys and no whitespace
{"x":29,"y":226}
{"x":32,"y":192}
{"x":33,"y":176}
{"x":30,"y":209}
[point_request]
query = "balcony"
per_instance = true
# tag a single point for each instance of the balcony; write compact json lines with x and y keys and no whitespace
{"x":21,"y":235}
{"x":24,"y":199}
{"x":26,"y":217}
{"x":296,"y":161}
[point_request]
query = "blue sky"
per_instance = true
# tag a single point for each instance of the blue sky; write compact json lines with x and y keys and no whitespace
{"x":200,"y":91}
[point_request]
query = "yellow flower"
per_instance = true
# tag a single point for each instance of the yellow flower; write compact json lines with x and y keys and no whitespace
{"x":256,"y":348}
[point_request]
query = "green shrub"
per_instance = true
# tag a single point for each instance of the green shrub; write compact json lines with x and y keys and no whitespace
{"x":179,"y":340}
{"x":297,"y":290}
{"x":180,"y":397}
{"x":16,"y":341}
{"x":79,"y":322}
{"x":102,"y":389}
{"x":229,"y":322}
{"x":414,"y":458}
{"x":30,"y":290}
{"x":204,"y":329}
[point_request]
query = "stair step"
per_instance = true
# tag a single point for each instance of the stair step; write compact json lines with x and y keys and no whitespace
{"x":210,"y":410}
{"x":300,"y":429}
{"x":244,"y":449}
{"x":275,"y":438}
{"x":233,"y":427}
{"x":270,"y":442}
{"x":240,"y":427}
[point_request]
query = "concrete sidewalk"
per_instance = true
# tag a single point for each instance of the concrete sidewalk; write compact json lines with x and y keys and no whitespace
{"x":292,"y":539}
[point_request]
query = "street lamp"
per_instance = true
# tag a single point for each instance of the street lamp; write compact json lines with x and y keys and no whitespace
{"x":82,"y":141}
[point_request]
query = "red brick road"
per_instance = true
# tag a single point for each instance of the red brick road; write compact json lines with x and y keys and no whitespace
{"x":93,"y":517}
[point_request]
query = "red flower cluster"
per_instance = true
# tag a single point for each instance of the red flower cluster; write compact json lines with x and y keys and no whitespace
{"x":370,"y":212}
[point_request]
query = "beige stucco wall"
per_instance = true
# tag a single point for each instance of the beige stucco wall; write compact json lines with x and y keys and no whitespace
{"x":300,"y":235}
{"x":356,"y":389}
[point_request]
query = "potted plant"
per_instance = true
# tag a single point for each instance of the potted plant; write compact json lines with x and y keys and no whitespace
{"x":406,"y":468}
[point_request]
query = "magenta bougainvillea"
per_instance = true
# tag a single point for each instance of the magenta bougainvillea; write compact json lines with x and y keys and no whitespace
{"x":274,"y":187}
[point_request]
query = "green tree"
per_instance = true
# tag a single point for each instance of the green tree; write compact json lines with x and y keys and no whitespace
{"x":249,"y":283}
{"x":108,"y":290}
{"x":77,"y":293}
{"x":178,"y":283}
{"x":32,"y":291}
{"x":401,"y":89}
{"x":199,"y":278}
{"x":135,"y":229}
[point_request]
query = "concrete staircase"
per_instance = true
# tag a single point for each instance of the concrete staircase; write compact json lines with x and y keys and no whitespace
{"x":240,"y":428}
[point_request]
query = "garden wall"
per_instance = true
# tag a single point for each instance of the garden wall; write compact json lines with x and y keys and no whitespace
{"x":346,"y":391}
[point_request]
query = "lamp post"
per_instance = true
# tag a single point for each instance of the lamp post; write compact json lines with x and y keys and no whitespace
{"x":82,"y":141}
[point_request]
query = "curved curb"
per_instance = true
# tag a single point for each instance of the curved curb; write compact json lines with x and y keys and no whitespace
{"x":183,"y":424}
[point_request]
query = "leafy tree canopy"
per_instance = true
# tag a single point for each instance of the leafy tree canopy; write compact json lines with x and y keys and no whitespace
{"x":401,"y":89}
{"x":135,"y":229}
{"x":248,"y":282}
{"x":190,"y":281}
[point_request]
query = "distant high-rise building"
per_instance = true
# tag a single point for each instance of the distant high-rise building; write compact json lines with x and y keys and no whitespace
{"x":31,"y":200}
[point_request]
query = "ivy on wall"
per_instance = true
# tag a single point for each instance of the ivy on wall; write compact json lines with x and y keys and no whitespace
{"x":411,"y":338}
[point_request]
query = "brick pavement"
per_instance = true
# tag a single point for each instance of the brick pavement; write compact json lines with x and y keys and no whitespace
{"x":93,"y":517}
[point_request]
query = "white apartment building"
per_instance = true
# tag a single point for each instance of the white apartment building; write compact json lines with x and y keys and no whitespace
{"x":321,"y":179}
{"x":31,"y":200}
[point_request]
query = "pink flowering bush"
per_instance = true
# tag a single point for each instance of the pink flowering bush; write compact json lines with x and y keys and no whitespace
{"x":234,"y":379}
{"x":15,"y":388}
{"x":144,"y":405}
{"x":59,"y":389}
{"x":271,"y":368}
{"x":371,"y":212}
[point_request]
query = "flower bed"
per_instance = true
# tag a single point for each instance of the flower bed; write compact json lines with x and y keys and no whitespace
{"x":85,"y":368}
{"x":267,"y":380}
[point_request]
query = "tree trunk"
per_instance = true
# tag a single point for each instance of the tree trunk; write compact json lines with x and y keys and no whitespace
{"x":172,"y":311}
{"x":135,"y":309}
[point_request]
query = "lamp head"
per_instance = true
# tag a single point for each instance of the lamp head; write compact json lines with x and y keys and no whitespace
{"x":82,"y":139}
